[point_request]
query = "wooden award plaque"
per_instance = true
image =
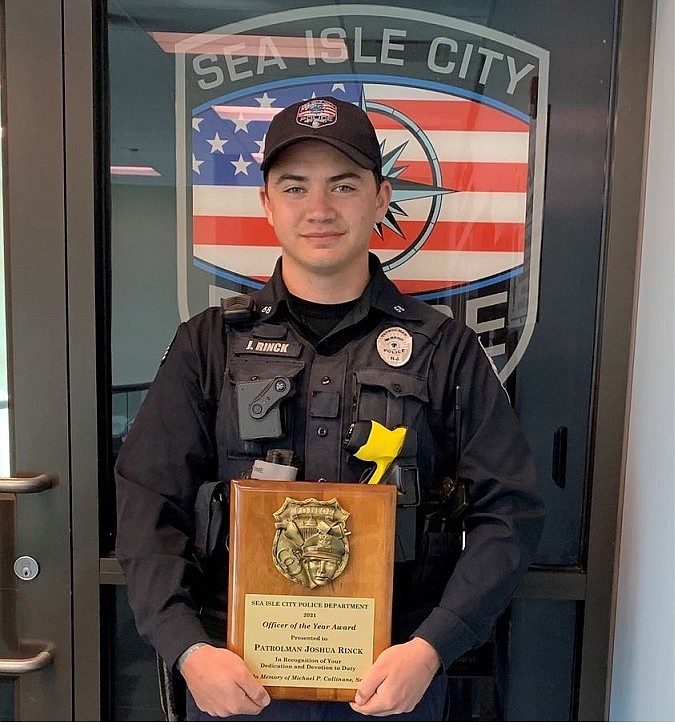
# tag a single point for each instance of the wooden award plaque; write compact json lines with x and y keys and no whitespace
{"x":310,"y":591}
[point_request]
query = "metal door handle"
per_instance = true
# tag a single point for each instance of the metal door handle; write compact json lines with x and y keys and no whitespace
{"x":34,"y":484}
{"x":24,"y":666}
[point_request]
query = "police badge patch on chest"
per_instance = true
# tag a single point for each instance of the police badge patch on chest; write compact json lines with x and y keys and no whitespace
{"x":394,"y":346}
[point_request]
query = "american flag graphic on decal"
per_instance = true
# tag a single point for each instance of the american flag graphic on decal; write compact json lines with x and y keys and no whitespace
{"x":458,"y":167}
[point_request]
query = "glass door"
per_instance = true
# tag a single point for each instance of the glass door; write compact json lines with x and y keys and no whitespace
{"x":476,"y":107}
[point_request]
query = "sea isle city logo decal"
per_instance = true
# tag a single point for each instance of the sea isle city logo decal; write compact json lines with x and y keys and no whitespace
{"x":460,"y":111}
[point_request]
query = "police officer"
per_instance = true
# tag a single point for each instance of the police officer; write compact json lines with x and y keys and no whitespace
{"x":352,"y":348}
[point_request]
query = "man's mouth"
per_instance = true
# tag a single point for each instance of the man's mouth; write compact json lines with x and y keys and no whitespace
{"x":322,"y":235}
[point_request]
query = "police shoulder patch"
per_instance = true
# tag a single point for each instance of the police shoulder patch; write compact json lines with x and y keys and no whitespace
{"x":166,"y":352}
{"x":493,"y":366}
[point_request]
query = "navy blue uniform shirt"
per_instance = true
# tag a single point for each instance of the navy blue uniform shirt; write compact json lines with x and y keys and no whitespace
{"x":186,"y":433}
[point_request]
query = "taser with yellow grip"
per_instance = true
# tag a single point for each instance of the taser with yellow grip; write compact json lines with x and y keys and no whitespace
{"x":369,"y":440}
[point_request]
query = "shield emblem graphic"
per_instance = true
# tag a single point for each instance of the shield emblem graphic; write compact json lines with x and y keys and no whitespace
{"x":462,"y":134}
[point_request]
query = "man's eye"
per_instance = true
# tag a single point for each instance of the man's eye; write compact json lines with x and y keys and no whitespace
{"x":343,"y":188}
{"x":293,"y":190}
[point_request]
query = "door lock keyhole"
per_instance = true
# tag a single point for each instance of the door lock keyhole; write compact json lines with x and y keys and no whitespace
{"x":26,"y":568}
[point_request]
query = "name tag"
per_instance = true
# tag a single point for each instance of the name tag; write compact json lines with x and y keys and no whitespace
{"x":268,"y":347}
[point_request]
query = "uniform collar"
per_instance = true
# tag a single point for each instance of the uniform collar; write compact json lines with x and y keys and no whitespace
{"x":380,"y":293}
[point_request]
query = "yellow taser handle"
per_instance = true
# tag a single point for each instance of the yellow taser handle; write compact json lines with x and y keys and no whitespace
{"x":382,"y":446}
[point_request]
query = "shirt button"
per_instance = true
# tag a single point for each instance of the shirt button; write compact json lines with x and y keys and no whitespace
{"x":325,"y":380}
{"x":396,"y":388}
{"x":321,"y":431}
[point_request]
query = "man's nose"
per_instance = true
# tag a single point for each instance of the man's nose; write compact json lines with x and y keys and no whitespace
{"x":320,"y":207}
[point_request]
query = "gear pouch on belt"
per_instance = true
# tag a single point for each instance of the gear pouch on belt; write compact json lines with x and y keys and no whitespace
{"x":211,"y":518}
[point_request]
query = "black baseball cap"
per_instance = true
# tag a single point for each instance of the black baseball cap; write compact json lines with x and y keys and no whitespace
{"x":338,"y":123}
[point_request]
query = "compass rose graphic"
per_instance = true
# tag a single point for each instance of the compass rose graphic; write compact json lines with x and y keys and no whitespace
{"x":403,"y":189}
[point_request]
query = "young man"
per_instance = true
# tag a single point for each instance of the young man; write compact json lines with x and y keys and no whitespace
{"x":331,"y":302}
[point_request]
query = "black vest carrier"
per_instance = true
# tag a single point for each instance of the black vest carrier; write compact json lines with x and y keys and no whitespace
{"x":278,"y":392}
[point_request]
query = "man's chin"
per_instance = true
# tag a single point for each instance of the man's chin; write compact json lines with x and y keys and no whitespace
{"x":325,"y":261}
{"x":328,"y":263}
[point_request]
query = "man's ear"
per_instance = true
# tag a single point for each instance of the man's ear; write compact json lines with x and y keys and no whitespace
{"x":265,"y":201}
{"x":383,"y":199}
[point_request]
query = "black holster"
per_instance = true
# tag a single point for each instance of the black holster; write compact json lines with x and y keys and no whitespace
{"x":212,"y":513}
{"x":212,"y":528}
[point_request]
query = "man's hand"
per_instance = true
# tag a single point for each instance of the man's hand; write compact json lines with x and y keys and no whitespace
{"x":221,"y":683}
{"x":397,"y":679}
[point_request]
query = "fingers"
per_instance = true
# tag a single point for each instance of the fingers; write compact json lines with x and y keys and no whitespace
{"x":371,"y":681}
{"x":382,"y":702}
{"x":238,"y":704}
{"x":235,"y":706}
{"x":230,"y":699}
{"x":397,"y":680}
{"x":254,"y":691}
{"x":221,"y":683}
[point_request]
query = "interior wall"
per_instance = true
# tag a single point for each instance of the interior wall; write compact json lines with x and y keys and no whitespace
{"x":144,"y":308}
{"x":643,"y":670}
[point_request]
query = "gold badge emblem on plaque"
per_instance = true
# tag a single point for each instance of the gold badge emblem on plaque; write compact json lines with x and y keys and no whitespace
{"x":310,"y":612}
{"x":311,"y":546}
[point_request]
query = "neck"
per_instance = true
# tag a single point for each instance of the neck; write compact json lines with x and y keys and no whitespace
{"x":326,"y":289}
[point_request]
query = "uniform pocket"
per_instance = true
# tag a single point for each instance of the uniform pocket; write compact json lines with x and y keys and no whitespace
{"x":392,"y":398}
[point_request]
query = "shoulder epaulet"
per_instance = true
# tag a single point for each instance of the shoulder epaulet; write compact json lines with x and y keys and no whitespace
{"x":237,"y":309}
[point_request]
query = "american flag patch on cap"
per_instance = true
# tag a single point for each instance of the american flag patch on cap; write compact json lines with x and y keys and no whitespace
{"x":317,"y":113}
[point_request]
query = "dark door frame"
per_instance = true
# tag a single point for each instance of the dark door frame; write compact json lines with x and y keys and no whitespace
{"x":50,"y":158}
{"x":614,"y":343}
{"x":38,"y":354}
{"x":85,"y":226}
